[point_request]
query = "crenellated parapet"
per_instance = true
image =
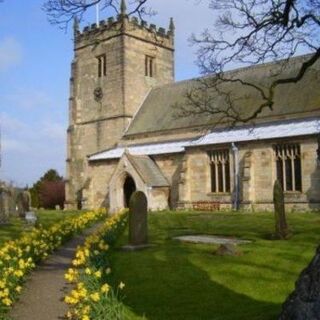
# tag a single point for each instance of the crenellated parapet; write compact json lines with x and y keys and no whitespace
{"x":123,"y":24}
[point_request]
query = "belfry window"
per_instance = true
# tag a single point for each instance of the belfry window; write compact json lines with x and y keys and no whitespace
{"x":102,"y":65}
{"x":220,"y":170}
{"x":149,"y":66}
{"x":288,"y":161}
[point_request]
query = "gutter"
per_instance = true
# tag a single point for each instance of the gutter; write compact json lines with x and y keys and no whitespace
{"x":236,"y":193}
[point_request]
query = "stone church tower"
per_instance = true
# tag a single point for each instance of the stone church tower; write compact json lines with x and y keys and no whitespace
{"x":115,"y":65}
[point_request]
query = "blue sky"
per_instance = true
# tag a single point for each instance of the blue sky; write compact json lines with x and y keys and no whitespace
{"x":34,"y":80}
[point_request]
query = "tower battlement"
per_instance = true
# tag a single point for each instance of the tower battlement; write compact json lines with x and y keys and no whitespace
{"x":122,"y":24}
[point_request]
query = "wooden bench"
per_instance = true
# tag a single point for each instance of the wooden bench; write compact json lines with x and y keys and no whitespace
{"x":206,"y":205}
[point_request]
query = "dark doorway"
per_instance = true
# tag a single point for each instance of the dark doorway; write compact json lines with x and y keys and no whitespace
{"x":129,"y":188}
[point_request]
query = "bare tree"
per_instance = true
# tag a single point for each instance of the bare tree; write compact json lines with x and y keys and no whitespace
{"x":62,"y":12}
{"x":246,"y":33}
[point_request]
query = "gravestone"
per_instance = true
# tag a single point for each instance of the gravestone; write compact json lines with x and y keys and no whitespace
{"x":3,"y":213}
{"x":4,"y":204}
{"x":229,"y":249}
{"x":138,"y":219}
{"x":22,"y":202}
{"x":304,"y":302}
{"x":282,"y":231}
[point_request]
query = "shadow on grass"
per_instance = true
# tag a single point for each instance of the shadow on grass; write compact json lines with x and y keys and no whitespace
{"x":162,"y":284}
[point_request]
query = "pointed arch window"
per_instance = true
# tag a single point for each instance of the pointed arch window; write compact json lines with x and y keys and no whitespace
{"x":220,"y":171}
{"x":288,"y":162}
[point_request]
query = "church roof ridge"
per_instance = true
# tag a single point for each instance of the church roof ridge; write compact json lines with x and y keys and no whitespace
{"x":238,"y":69}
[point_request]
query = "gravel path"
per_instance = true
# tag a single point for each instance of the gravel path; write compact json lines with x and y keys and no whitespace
{"x":43,"y":293}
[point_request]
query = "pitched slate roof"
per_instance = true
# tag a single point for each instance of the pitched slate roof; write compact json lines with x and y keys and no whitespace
{"x":148,"y":170}
{"x":157,"y":113}
{"x":148,"y":149}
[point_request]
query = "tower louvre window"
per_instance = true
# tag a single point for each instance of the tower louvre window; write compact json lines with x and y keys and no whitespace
{"x":149,"y":66}
{"x":102,"y":65}
{"x":220,"y":170}
{"x":288,"y":163}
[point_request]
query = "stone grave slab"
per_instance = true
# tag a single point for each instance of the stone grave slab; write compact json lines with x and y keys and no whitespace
{"x":210,"y":239}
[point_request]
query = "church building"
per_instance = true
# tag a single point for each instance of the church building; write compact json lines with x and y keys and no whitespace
{"x":125,"y":134}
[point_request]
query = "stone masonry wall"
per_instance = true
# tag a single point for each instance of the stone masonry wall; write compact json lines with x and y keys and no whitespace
{"x":171,"y":166}
{"x":97,"y":194}
{"x":257,"y":175}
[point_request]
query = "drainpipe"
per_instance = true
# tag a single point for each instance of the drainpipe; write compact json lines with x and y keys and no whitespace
{"x":236,"y":195}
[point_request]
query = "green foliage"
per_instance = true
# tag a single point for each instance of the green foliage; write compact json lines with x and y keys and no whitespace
{"x":34,"y":192}
{"x":52,"y":176}
{"x":180,"y":281}
{"x":281,"y":227}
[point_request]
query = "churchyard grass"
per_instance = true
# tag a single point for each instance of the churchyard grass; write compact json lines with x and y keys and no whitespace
{"x":49,"y":217}
{"x":16,"y":226}
{"x":175,"y":280}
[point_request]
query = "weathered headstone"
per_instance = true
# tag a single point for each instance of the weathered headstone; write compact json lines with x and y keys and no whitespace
{"x":228,"y":249}
{"x":22,"y":201}
{"x":304,"y":302}
{"x":4,"y":203}
{"x":3,"y":213}
{"x":282,"y":231}
{"x":138,"y":219}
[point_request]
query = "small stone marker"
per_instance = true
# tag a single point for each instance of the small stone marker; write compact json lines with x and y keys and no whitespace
{"x":229,"y":249}
{"x":138,"y":223}
{"x":31,"y":217}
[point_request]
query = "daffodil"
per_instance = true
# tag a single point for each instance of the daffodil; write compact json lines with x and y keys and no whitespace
{"x":121,"y":285}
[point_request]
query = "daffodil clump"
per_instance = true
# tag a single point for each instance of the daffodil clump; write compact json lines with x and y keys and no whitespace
{"x":92,"y":296}
{"x":18,"y":257}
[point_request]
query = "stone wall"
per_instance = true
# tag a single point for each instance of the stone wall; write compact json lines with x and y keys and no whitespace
{"x":190,"y":178}
{"x":97,"y":193}
{"x":172,"y":168}
{"x":257,"y":175}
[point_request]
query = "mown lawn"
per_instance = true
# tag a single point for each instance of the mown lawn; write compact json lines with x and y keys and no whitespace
{"x":176,"y":281}
{"x":16,"y":226}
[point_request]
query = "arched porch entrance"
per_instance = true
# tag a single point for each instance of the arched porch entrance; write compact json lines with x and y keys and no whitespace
{"x":129,"y":187}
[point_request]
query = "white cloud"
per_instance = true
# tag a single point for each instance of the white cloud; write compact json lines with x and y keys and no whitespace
{"x":9,"y":124}
{"x":14,"y":145}
{"x":28,"y":99}
{"x":10,"y":53}
{"x":55,"y":131}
